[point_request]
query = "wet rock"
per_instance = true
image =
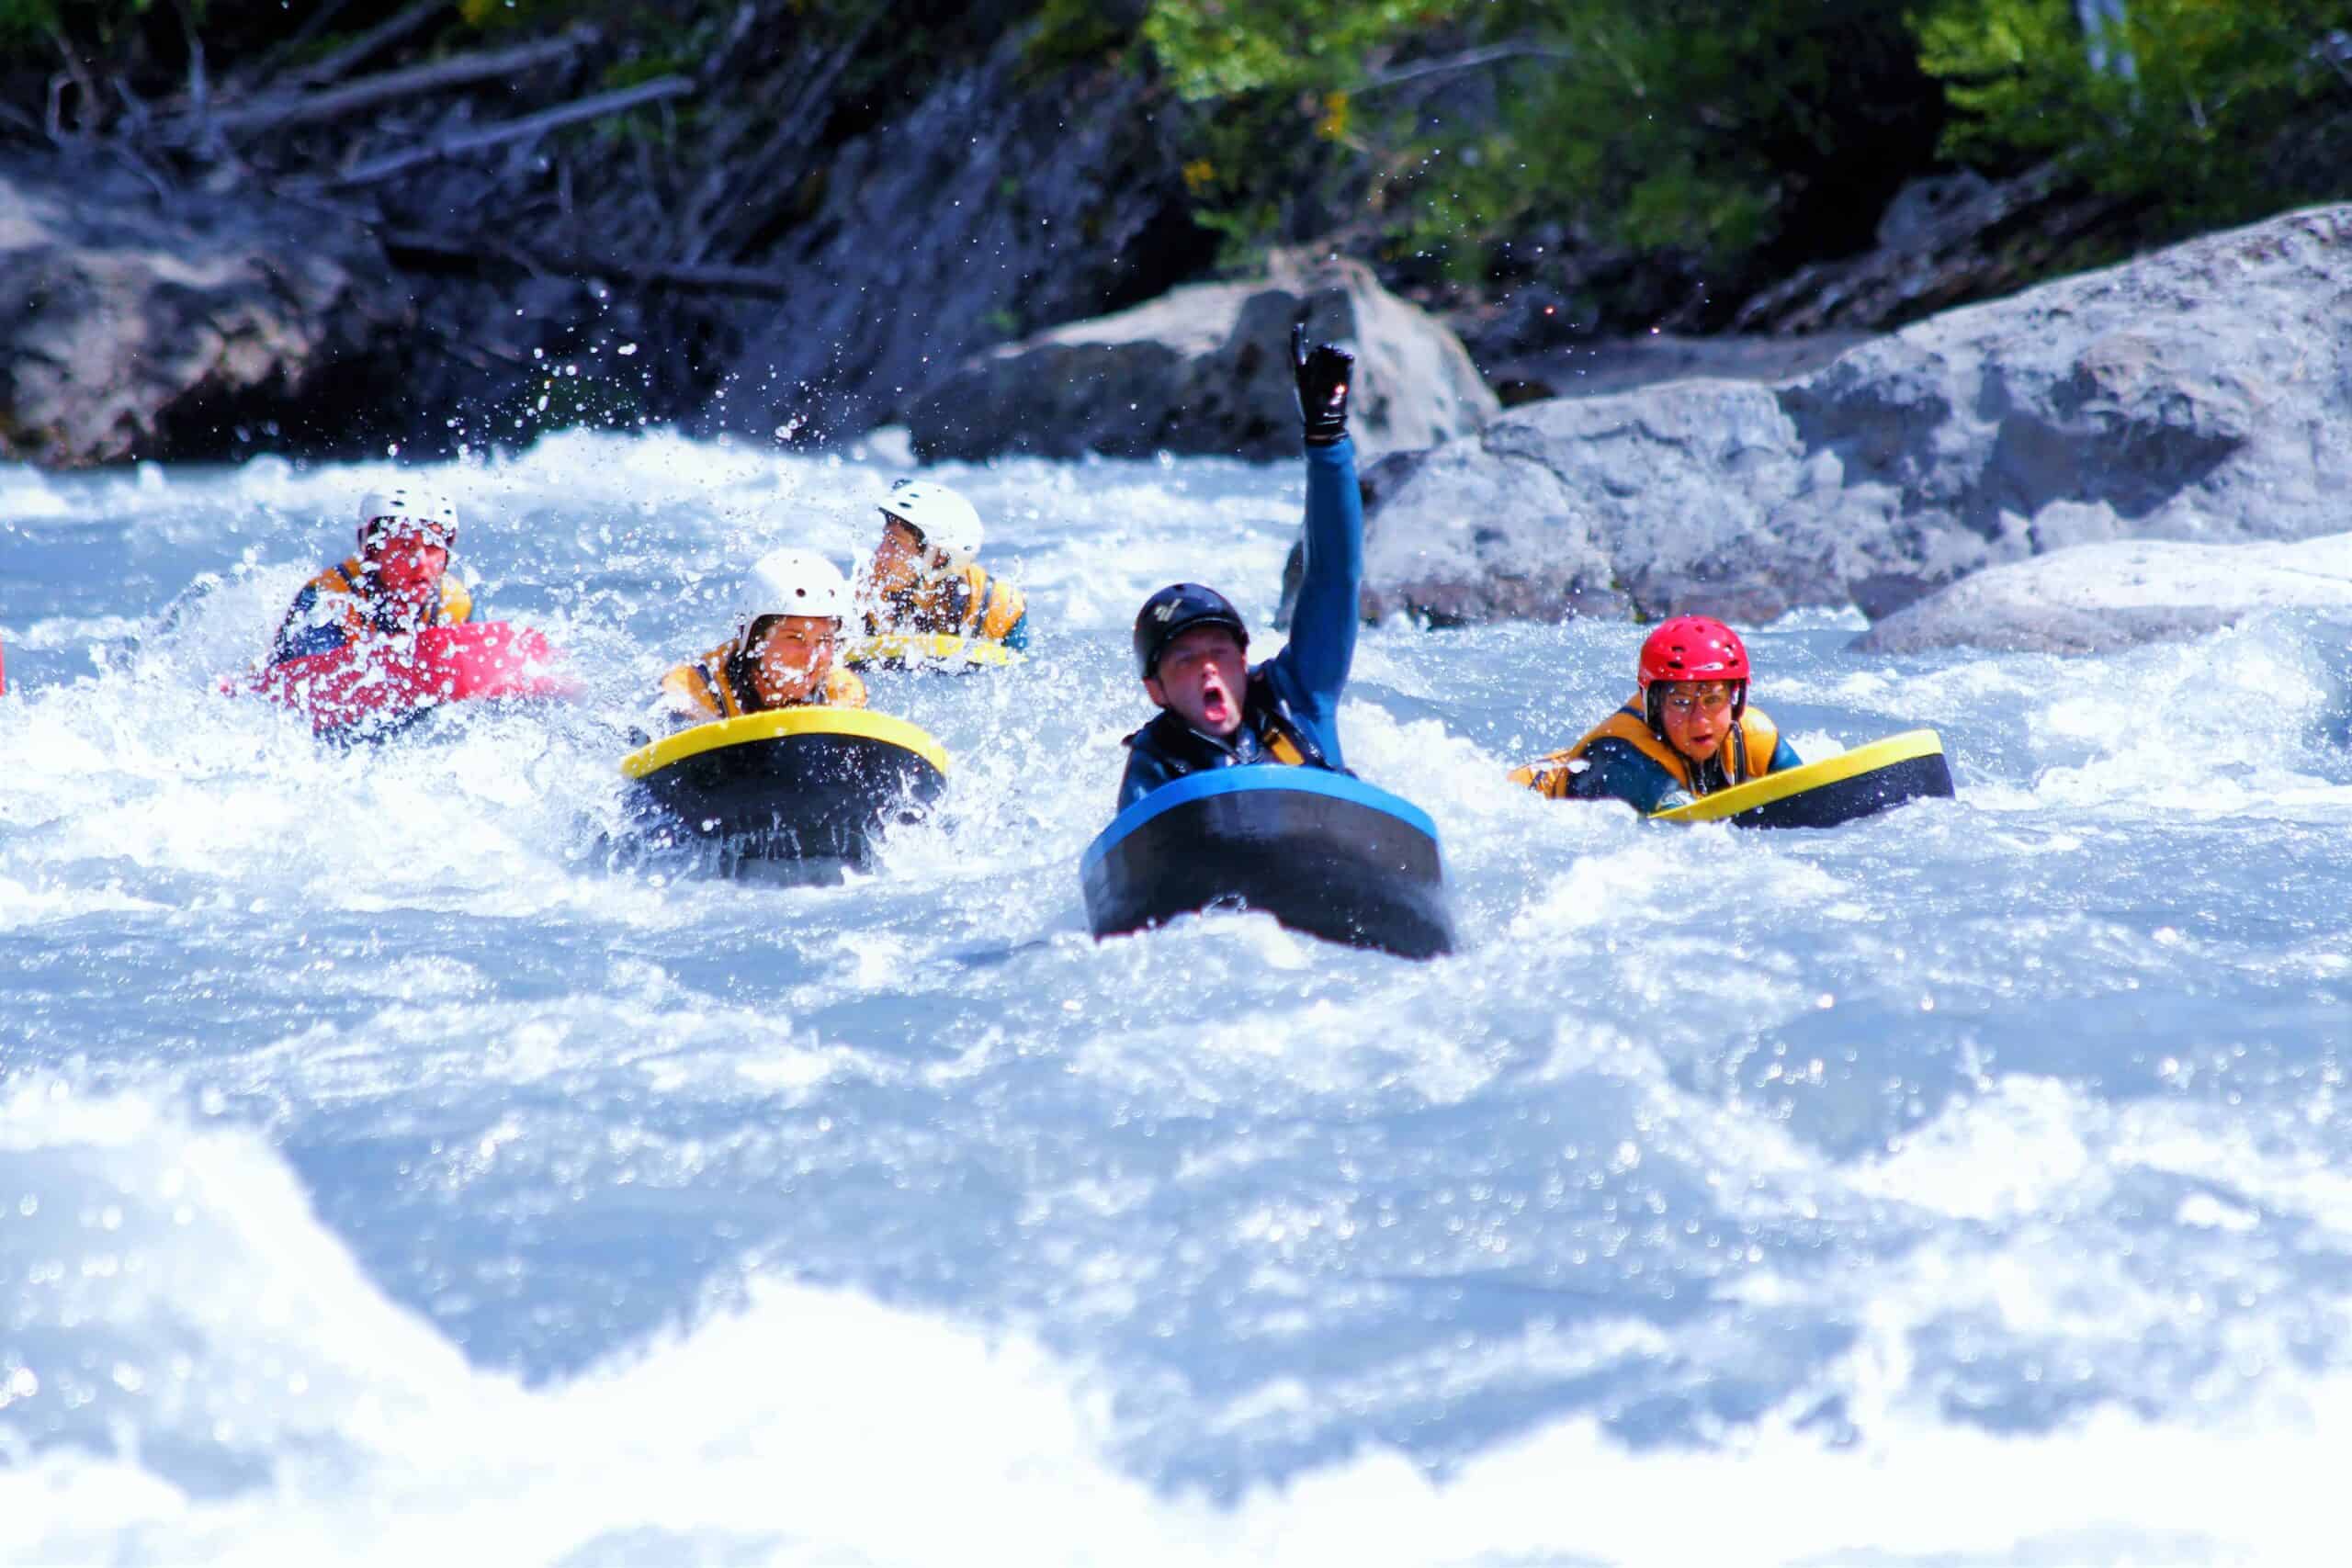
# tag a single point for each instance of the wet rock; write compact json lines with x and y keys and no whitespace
{"x":2095,"y":598}
{"x":1205,"y":369}
{"x":995,"y":204}
{"x":1594,"y":366}
{"x":139,"y":320}
{"x":2201,"y":393}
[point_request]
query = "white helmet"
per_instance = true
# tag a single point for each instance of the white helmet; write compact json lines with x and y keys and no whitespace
{"x":410,"y":503}
{"x":944,"y":519}
{"x":791,"y":582}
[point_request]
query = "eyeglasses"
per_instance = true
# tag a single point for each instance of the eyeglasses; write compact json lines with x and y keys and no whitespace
{"x":1684,"y":703}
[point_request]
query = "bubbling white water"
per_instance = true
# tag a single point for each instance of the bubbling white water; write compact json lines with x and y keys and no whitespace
{"x":386,"y":1170}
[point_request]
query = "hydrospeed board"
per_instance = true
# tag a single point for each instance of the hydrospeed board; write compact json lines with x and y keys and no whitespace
{"x":800,"y":785}
{"x":926,"y":650}
{"x":378,"y":685}
{"x":1853,"y":784}
{"x":1322,"y":852}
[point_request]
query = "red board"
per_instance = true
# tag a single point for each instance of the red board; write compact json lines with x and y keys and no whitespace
{"x":396,"y":679}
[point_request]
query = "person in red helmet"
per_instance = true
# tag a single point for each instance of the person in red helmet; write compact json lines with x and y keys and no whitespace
{"x":1687,"y":732}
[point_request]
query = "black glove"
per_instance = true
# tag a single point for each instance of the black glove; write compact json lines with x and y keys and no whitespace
{"x":1323,"y":377}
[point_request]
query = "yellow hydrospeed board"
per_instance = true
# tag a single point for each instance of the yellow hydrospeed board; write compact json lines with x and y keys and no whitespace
{"x":854,"y":722}
{"x":1910,"y":746}
{"x":917,"y":648}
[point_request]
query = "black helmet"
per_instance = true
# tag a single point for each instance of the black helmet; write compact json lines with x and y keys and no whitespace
{"x":1175,"y":610}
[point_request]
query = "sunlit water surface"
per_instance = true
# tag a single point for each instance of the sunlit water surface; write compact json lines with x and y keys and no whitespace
{"x":384,"y":1172}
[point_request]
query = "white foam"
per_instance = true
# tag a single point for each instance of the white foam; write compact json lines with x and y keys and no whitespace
{"x":809,"y":1426}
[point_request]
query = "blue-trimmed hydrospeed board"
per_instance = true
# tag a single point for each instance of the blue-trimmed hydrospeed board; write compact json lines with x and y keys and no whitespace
{"x":1322,"y":852}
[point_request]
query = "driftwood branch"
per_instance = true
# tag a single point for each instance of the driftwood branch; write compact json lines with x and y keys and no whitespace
{"x":530,"y":125}
{"x":459,"y":71}
{"x":367,"y":44}
{"x":285,"y":49}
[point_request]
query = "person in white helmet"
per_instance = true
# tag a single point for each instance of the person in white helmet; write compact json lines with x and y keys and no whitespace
{"x":398,"y":582}
{"x":789,"y":618}
{"x":925,"y":576}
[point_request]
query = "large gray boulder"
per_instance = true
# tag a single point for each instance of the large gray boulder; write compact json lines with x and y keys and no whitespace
{"x":134,"y":318}
{"x":2201,"y":393}
{"x":1205,"y":369}
{"x":2095,"y":598}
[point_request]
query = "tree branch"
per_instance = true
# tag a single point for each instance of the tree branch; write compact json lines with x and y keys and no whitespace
{"x":529,"y":125}
{"x":381,"y":35}
{"x":459,"y":71}
{"x":1469,"y":60}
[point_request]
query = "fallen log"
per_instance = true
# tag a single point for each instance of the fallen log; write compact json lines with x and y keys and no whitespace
{"x":270,"y":113}
{"x":529,"y":125}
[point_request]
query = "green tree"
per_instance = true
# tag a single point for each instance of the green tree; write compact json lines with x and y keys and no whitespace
{"x":2188,"y":113}
{"x":1732,"y":129}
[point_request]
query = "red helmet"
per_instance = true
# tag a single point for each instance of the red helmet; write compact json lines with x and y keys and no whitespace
{"x":1695,"y":648}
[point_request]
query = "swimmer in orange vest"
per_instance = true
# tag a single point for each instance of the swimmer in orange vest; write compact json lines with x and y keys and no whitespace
{"x":925,"y":577}
{"x":398,"y":582}
{"x":1688,"y":731}
{"x":787,"y":630}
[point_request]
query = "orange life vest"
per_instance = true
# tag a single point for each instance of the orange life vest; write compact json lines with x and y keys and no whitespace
{"x":704,"y":686}
{"x":968,"y":603}
{"x":357,"y":611}
{"x":1746,"y":752}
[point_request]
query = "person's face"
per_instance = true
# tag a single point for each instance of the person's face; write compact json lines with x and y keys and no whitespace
{"x":407,"y":562}
{"x":901,"y":553}
{"x":1201,"y":678}
{"x":1697,"y":716}
{"x":791,"y":656}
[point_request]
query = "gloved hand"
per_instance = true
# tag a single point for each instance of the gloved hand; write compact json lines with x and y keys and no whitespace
{"x":1323,"y":377}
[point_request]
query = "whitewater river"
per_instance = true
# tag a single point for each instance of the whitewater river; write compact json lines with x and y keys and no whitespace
{"x":385,"y":1176}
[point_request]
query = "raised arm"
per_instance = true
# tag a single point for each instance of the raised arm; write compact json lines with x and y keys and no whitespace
{"x":1323,"y":624}
{"x":1313,"y":669}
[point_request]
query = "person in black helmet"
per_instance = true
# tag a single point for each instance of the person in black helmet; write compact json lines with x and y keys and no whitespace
{"x":1191,"y":646}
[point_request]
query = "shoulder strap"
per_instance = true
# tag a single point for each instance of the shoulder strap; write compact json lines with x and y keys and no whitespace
{"x":1762,"y":737}
{"x":1269,"y":718}
{"x":1628,"y":725}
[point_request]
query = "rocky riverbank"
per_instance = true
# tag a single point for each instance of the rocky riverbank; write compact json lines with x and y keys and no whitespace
{"x":2098,"y":598}
{"x":433,"y":224}
{"x":2204,"y":392}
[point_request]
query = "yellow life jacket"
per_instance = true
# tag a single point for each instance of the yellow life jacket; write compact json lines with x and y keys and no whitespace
{"x":1746,"y":752}
{"x":968,"y":603}
{"x":357,"y":609}
{"x":703,"y":687}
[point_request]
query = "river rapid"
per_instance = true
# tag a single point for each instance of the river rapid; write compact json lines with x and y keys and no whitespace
{"x":389,"y":1171}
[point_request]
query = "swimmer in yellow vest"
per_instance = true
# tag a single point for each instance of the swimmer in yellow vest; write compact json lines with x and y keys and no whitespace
{"x":398,"y":582}
{"x":925,"y":576}
{"x":1688,"y":732}
{"x":787,"y":627}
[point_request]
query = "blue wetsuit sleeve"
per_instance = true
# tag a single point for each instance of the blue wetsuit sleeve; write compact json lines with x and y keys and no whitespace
{"x":1017,"y":638}
{"x":1784,"y":756}
{"x":1311,"y":672}
{"x":1618,"y":771}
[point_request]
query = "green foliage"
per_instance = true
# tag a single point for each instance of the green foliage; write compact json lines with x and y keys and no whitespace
{"x":1221,"y":48}
{"x":2189,"y":121}
{"x":1716,"y":127}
